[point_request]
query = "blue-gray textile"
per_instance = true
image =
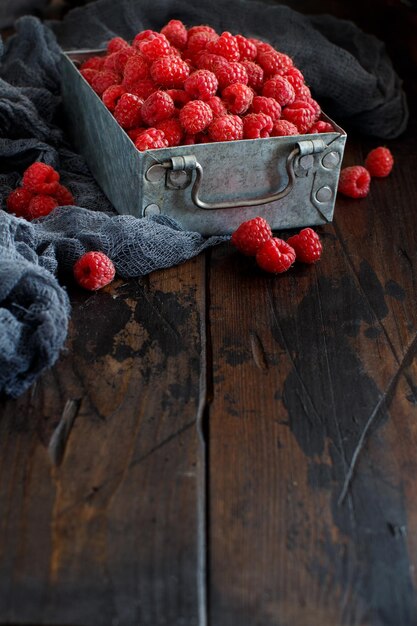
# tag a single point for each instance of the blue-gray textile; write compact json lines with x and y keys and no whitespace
{"x":344,"y":66}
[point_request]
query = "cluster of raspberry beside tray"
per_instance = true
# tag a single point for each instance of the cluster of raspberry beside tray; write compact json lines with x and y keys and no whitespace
{"x":183,"y":86}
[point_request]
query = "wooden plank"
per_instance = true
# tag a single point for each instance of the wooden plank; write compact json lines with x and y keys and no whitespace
{"x":307,"y":366}
{"x":102,"y":466}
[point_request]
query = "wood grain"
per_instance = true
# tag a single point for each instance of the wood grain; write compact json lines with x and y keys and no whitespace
{"x":102,"y":465}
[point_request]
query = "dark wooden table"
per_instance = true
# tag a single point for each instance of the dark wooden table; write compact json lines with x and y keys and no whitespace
{"x":218,"y":446}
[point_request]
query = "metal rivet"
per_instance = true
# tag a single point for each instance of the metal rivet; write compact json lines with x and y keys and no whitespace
{"x":151,"y":209}
{"x":331,"y":160}
{"x":179,"y":178}
{"x":155,"y":173}
{"x":324,"y":194}
{"x":306,"y":161}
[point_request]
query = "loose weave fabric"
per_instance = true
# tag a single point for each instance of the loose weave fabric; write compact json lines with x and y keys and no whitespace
{"x":348,"y":70}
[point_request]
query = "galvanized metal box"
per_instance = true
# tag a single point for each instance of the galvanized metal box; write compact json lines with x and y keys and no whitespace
{"x":210,"y":188}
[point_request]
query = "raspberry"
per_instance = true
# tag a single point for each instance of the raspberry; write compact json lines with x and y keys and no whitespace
{"x":190,"y":140}
{"x":256,"y":125}
{"x":250,"y":235}
{"x":321,"y":127}
{"x":63,"y":196}
{"x":18,"y":202}
{"x":354,"y":181}
{"x":151,"y":139}
{"x":40,"y":178}
{"x":379,"y":162}
{"x":280,"y":89}
{"x":299,"y":113}
{"x":93,"y":63}
{"x":226,"y":128}
{"x":273,"y":62}
{"x":110,"y":62}
{"x":143,"y":88}
{"x":198,"y":42}
{"x":269,"y":106}
{"x":315,"y":105}
{"x":88,"y":74}
{"x":303,"y":93}
{"x":172,"y":130}
{"x":255,"y":75}
{"x":262,"y":46}
{"x":104,"y":79}
{"x":211,"y":62}
{"x":230,"y":74}
{"x":226,"y":46}
{"x":275,"y":256}
{"x":247,"y":49}
{"x":41,"y":205}
{"x":282,"y":128}
{"x":116,"y":44}
{"x":169,"y":71}
{"x":201,"y":85}
{"x":195,"y":116}
{"x":157,"y":107}
{"x":121,"y":58}
{"x":111,"y":96}
{"x":202,"y":28}
{"x":307,"y":245}
{"x":179,"y":96}
{"x":136,"y":68}
{"x":94,"y":270}
{"x":216,"y":104}
{"x":128,"y":111}
{"x":144,"y":35}
{"x":135,"y":132}
{"x":154,"y":48}
{"x":295,"y":78}
{"x":237,"y":98}
{"x":176,"y":33}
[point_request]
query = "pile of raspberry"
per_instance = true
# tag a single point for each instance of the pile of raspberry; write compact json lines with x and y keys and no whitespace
{"x":39,"y":194}
{"x":254,"y":238}
{"x":185,"y":86}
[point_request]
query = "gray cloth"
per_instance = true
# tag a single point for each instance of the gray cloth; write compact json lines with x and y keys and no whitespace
{"x":347,"y":67}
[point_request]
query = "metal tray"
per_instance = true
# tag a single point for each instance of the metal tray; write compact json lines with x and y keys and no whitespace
{"x":210,"y":188}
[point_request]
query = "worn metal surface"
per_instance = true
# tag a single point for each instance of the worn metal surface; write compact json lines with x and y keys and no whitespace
{"x":302,"y":178}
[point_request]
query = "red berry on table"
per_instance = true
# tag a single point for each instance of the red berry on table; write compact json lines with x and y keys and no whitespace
{"x":354,"y":181}
{"x":275,"y":256}
{"x":256,"y":125}
{"x":63,"y":196}
{"x":40,"y":178}
{"x":151,"y":139}
{"x":250,"y":235}
{"x":18,"y":202}
{"x":379,"y":162}
{"x":195,"y":116}
{"x":307,"y":245}
{"x":94,"y":270}
{"x":41,"y":205}
{"x":237,"y":98}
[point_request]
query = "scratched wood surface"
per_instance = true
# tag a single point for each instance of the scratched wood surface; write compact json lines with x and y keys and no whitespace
{"x":102,"y":469}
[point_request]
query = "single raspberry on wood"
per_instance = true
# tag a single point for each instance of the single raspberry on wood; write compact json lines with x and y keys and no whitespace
{"x":151,"y":139}
{"x":269,"y":106}
{"x":195,"y":116}
{"x":94,"y":270}
{"x":41,"y":205}
{"x":250,"y":235}
{"x":157,"y":107}
{"x":169,"y":72}
{"x":255,"y":75}
{"x":275,"y":256}
{"x":354,"y":181}
{"x":282,"y":128}
{"x":176,"y":33}
{"x":63,"y":196}
{"x":40,"y":178}
{"x":257,"y":125}
{"x":237,"y":98}
{"x":379,"y":162}
{"x":128,"y":111}
{"x":18,"y":202}
{"x":280,"y":89}
{"x":307,"y":245}
{"x":201,"y":85}
{"x":226,"y":128}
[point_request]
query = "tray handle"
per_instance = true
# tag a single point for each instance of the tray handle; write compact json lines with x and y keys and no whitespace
{"x":189,"y":164}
